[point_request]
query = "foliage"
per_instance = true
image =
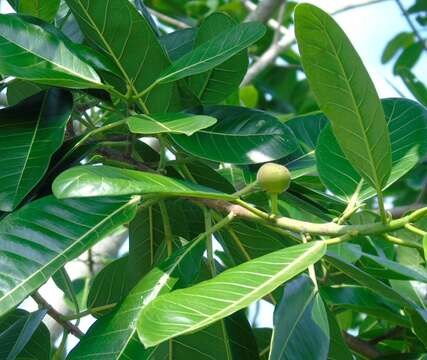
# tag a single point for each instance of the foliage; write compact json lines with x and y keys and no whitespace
{"x":117,"y":122}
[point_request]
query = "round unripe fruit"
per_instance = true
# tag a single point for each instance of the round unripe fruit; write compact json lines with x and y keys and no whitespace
{"x":274,"y":178}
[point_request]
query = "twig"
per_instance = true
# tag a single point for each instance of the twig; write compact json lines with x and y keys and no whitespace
{"x":362,"y":347}
{"x":392,"y":334}
{"x":356,"y":6}
{"x":272,"y":23}
{"x":411,"y":24}
{"x":169,"y":20}
{"x":264,"y":10}
{"x":59,"y":318}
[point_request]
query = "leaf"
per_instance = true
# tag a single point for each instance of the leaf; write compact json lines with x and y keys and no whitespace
{"x":30,"y":133}
{"x":29,"y":52}
{"x":24,"y":336}
{"x":179,"y":42}
{"x":88,"y":181}
{"x":345,"y":93}
{"x":217,"y":84}
{"x":43,"y":9}
{"x":172,"y":123}
{"x":338,"y":349}
{"x":38,"y":239}
{"x":114,"y":336}
{"x":18,"y":90}
{"x":63,"y":281}
{"x":362,"y":300}
{"x":419,"y":323}
{"x":425,"y":246}
{"x":400,"y":41}
{"x":211,"y":300}
{"x":368,"y":281}
{"x":126,"y":36}
{"x":240,"y":136}
{"x":300,"y":312}
{"x":307,"y":129}
{"x":213,"y":52}
{"x":409,"y":57}
{"x":414,"y":85}
{"x":407,"y":123}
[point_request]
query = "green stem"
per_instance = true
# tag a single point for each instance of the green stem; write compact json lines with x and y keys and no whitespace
{"x":163,"y":157}
{"x":401,"y":242}
{"x":415,"y":230}
{"x":209,"y":247}
{"x":87,"y":312}
{"x":246,"y":190}
{"x":274,"y":203}
{"x":145,"y":91}
{"x":352,"y":205}
{"x":166,"y":227}
{"x":381,"y":206}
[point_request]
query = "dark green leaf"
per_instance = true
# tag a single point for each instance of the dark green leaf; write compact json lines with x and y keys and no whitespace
{"x":338,"y":349}
{"x":193,"y":308}
{"x":44,"y":9}
{"x":23,"y":336}
{"x":179,"y":42}
{"x":301,"y":329}
{"x":345,"y":93}
{"x":407,"y":123}
{"x":172,"y":123}
{"x":30,"y":133}
{"x":414,"y":85}
{"x":87,"y":181}
{"x":32,"y":53}
{"x":18,"y":90}
{"x":127,"y":37}
{"x":409,"y":57}
{"x":213,"y":52}
{"x":419,"y":324}
{"x":37,"y":240}
{"x":400,"y":41}
{"x":219,"y":83}
{"x":240,"y":136}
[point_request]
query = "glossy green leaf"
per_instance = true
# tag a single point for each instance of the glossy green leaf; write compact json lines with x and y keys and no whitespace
{"x":24,"y":336}
{"x":407,"y":123}
{"x":301,"y":329}
{"x":114,"y":336}
{"x":187,"y":310}
{"x":219,"y":83}
{"x":338,"y":349}
{"x":179,"y":42}
{"x":32,"y":53}
{"x":213,"y":52}
{"x":18,"y":90}
{"x":30,"y":133}
{"x":307,"y":129}
{"x":43,"y":9}
{"x":345,"y":93}
{"x":63,"y":281}
{"x":128,"y":39}
{"x":87,"y":181}
{"x":172,"y":123}
{"x":419,"y":324}
{"x":38,"y":239}
{"x":240,"y":136}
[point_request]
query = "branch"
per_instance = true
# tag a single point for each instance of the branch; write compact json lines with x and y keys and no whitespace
{"x":362,"y":347}
{"x":355,"y":6}
{"x":272,"y":23}
{"x":264,"y":11}
{"x":59,"y":318}
{"x":169,"y":20}
{"x":397,"y":332}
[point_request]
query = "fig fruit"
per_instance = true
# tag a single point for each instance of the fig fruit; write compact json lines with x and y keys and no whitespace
{"x":274,"y":178}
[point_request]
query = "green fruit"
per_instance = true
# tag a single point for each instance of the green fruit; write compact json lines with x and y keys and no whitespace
{"x":274,"y":178}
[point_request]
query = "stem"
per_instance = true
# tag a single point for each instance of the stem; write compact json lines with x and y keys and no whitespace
{"x":355,"y":6}
{"x":274,"y":203}
{"x":352,"y":205}
{"x":381,"y":206}
{"x":89,"y":312}
{"x":163,"y":158}
{"x":311,"y":270}
{"x":73,"y":329}
{"x":410,"y":23}
{"x":401,"y":242}
{"x":209,"y":248}
{"x":415,"y":230}
{"x":166,"y":227}
{"x":146,"y":90}
{"x":246,"y":190}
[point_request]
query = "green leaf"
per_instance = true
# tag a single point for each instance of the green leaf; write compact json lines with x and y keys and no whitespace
{"x":30,"y":133}
{"x":301,"y":329}
{"x":407,"y":123}
{"x":18,"y":90}
{"x":414,"y":85}
{"x":24,"y":336}
{"x":345,"y":93}
{"x":409,"y":57}
{"x":38,"y":239}
{"x":217,"y":84}
{"x":187,"y":310}
{"x":362,"y":300}
{"x":127,"y":37}
{"x":63,"y":281}
{"x":43,"y":9}
{"x":368,"y":281}
{"x":419,"y":323}
{"x":240,"y":136}
{"x":338,"y":349}
{"x":307,"y":129}
{"x":32,"y":53}
{"x":179,"y":42}
{"x":213,"y":52}
{"x":88,"y":181}
{"x":172,"y":123}
{"x":114,"y":336}
{"x":400,"y":41}
{"x":425,"y":246}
